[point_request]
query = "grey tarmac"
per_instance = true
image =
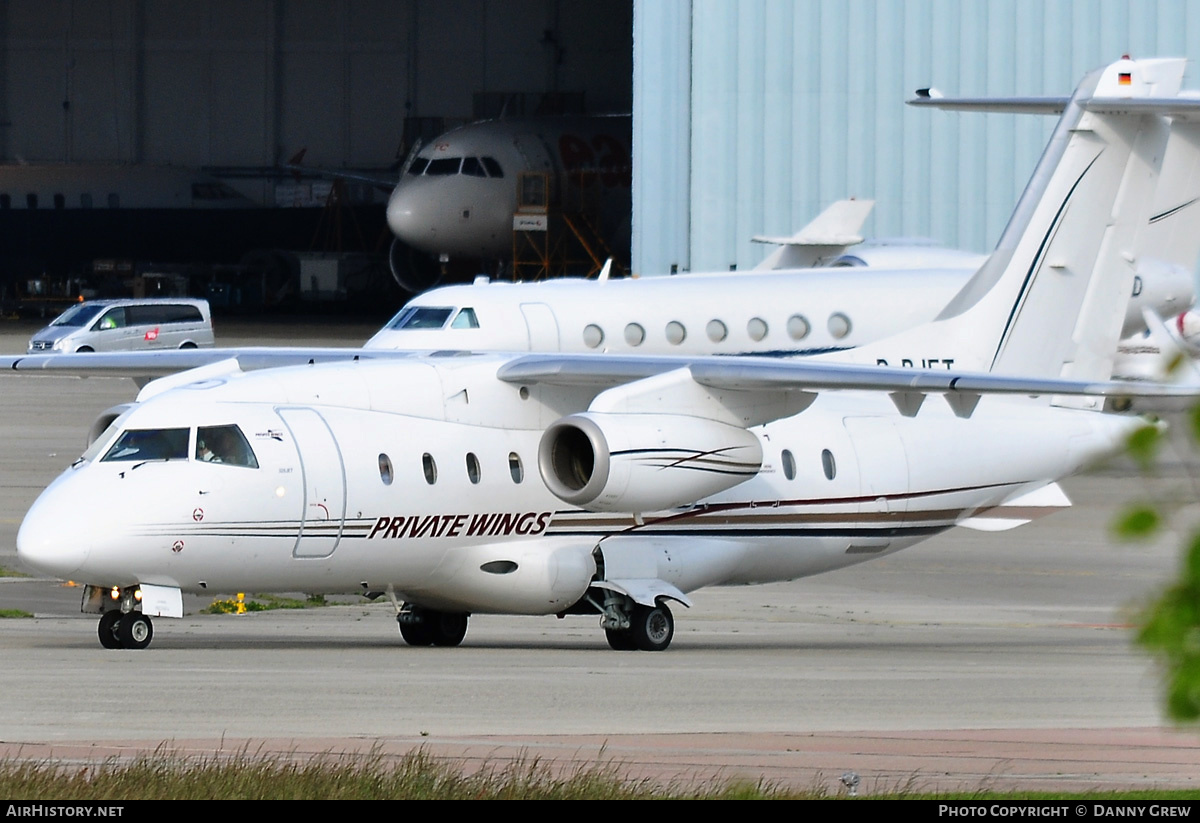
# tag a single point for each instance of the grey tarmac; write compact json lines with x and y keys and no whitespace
{"x":974,"y":660}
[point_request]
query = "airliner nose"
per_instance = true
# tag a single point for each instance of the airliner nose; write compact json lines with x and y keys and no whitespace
{"x":54,"y":538}
{"x":403,"y":215}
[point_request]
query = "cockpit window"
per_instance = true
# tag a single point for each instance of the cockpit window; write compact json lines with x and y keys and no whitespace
{"x":465,"y":319}
{"x":443,"y":166}
{"x":418,"y":166}
{"x":493,"y":168}
{"x":149,"y":444}
{"x":224,"y":444}
{"x":421,"y":317}
{"x":472,"y":168}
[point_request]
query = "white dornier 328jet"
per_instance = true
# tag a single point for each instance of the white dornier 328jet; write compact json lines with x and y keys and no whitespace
{"x":615,"y":484}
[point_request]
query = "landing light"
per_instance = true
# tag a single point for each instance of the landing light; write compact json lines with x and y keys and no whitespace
{"x":115,"y":594}
{"x":280,"y":491}
{"x":137,"y":595}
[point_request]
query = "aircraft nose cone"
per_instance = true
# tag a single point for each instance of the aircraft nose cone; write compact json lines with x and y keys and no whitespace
{"x":53,"y":539}
{"x":404,"y":216}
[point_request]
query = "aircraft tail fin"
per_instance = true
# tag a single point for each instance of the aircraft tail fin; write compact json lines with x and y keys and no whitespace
{"x":1050,"y":300}
{"x":829,"y":234}
{"x":1172,"y":236}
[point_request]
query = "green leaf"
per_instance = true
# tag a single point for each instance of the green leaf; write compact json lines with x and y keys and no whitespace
{"x":1138,"y":523}
{"x":1143,"y":445}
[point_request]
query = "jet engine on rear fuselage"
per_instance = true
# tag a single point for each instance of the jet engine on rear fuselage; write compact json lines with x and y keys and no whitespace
{"x":643,"y":462}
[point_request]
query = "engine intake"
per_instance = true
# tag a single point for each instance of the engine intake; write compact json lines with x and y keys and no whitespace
{"x":643,"y":462}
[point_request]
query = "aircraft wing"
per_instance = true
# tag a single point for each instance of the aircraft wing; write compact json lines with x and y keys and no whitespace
{"x":149,"y":365}
{"x":749,"y":373}
{"x":754,"y":390}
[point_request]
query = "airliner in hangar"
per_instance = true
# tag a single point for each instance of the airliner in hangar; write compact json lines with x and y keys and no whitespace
{"x":613,"y":485}
{"x":462,"y":194}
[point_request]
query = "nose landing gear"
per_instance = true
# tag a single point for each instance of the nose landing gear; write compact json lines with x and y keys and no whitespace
{"x":122,"y":625}
{"x":130,"y":630}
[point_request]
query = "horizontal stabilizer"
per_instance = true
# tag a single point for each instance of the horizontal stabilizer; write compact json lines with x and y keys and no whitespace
{"x":1003,"y":105}
{"x":827,"y":236}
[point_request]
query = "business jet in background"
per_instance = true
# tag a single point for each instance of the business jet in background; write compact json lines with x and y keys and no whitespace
{"x":465,"y":193}
{"x":612,"y":485}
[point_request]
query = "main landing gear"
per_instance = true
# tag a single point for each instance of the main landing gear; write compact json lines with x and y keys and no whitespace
{"x":427,"y":627}
{"x":131,"y":630}
{"x":650,"y":629}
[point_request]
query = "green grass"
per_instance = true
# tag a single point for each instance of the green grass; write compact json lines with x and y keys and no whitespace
{"x":265,"y":603}
{"x":165,"y":775}
{"x":14,"y":613}
{"x":416,"y":776}
{"x":7,"y":572}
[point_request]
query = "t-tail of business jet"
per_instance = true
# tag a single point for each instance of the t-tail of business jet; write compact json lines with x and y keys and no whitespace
{"x":615,"y":485}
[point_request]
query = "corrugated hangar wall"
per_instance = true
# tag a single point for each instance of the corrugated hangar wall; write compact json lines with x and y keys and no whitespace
{"x":750,"y":116}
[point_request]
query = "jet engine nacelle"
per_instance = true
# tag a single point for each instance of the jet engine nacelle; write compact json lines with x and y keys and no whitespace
{"x":643,"y":462}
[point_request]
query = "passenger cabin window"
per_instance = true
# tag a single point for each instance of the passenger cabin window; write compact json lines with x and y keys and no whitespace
{"x":60,"y":202}
{"x":385,"y":469}
{"x":85,"y":200}
{"x":443,"y":166}
{"x":789,"y":465}
{"x":716,"y":331}
{"x":798,"y":327}
{"x":493,"y":168}
{"x":31,"y":200}
{"x":114,"y":200}
{"x":149,"y":444}
{"x":429,"y":467}
{"x":5,"y":201}
{"x":226,"y":445}
{"x":593,"y":335}
{"x":828,"y":464}
{"x":473,"y":471}
{"x":515,"y":468}
{"x":465,"y":319}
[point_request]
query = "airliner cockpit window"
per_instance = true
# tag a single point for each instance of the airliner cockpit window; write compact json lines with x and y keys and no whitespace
{"x":472,"y":168}
{"x":149,"y":444}
{"x":493,"y":168}
{"x":418,"y":166}
{"x":465,"y":319}
{"x":421,"y":317}
{"x":226,"y":445}
{"x":443,"y":166}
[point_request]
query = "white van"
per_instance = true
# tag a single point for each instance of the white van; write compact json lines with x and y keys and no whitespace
{"x":128,"y":325}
